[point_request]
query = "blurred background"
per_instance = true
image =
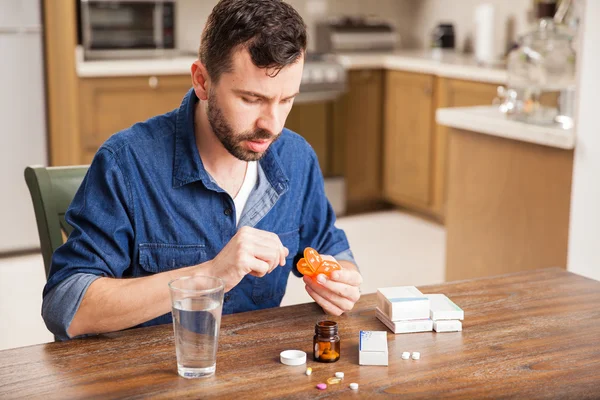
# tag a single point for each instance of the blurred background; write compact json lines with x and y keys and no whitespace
{"x":457,"y":138}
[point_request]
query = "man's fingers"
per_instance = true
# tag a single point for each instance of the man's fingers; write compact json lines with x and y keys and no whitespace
{"x":340,"y":289}
{"x":348,"y":276}
{"x":343,"y":303}
{"x":259,"y":268}
{"x":327,"y":306}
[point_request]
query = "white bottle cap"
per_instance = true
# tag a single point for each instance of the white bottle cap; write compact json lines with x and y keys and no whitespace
{"x":293,"y":357}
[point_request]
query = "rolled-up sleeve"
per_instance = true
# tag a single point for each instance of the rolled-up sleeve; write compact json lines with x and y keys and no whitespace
{"x":99,"y":245}
{"x":318,"y":221}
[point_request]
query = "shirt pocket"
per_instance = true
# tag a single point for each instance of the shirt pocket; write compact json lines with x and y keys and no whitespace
{"x":269,"y":289}
{"x":160,"y":257}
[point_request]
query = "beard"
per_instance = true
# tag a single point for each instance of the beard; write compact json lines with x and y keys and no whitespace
{"x":233,"y":141}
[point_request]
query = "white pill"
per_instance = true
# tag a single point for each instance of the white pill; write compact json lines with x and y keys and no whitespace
{"x":354,"y":386}
{"x":405,"y":355}
{"x":308,"y":371}
{"x":339,"y":375}
{"x":416,"y":355}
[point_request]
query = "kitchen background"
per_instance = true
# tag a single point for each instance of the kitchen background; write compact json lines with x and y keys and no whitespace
{"x":385,"y":156}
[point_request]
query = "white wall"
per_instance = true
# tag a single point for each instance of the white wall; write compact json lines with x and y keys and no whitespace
{"x":192,"y":15}
{"x":584,"y":235}
{"x":513,"y":17}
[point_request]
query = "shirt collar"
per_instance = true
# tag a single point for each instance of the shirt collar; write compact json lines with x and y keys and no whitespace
{"x":188,"y":166}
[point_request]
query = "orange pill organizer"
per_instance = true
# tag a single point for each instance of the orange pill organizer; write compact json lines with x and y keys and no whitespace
{"x":313,"y":264}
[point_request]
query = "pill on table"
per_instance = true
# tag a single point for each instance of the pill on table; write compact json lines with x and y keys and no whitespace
{"x":416,"y":355}
{"x":333,"y":381}
{"x":354,"y":386}
{"x":405,"y":355}
{"x":321,"y":386}
{"x":308,"y":371}
{"x":339,"y":375}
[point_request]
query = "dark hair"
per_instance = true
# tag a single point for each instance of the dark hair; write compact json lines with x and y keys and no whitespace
{"x":272,"y":31}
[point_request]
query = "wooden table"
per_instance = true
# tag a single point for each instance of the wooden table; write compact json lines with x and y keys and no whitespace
{"x":528,"y":335}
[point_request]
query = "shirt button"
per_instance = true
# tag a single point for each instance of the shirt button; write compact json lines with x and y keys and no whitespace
{"x":226,"y":297}
{"x":227,"y":211}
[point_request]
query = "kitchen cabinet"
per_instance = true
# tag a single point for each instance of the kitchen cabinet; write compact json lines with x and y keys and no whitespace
{"x":357,"y":139}
{"x":311,"y":121}
{"x":452,"y":93}
{"x":508,"y":205}
{"x":108,"y":105}
{"x":408,"y":127}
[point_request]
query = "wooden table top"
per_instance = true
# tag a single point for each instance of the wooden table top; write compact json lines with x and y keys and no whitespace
{"x":527,"y":335}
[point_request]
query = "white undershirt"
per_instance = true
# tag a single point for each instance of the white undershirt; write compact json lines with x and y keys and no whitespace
{"x":242,"y":197}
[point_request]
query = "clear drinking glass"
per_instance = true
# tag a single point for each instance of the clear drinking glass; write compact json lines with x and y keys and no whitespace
{"x":197,"y":303}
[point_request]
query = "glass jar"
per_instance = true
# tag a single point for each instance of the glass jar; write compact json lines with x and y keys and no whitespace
{"x":326,"y":342}
{"x":540,"y":69}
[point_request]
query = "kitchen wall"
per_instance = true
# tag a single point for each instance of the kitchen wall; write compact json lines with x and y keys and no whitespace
{"x":512,"y":17}
{"x":192,"y":15}
{"x":584,"y":232}
{"x":414,"y":19}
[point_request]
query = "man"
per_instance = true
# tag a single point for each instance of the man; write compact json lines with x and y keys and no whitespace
{"x":217,"y":187}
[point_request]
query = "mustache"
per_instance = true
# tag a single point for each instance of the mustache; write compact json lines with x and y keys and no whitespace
{"x":258,"y":134}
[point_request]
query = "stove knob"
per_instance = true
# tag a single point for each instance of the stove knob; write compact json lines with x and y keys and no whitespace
{"x":317,"y":75}
{"x":305,"y":76}
{"x":331,"y":75}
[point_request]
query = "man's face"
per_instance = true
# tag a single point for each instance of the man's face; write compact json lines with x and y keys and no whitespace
{"x":247,"y":109}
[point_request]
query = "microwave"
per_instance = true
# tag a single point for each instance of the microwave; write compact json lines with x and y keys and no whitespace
{"x":127,"y":29}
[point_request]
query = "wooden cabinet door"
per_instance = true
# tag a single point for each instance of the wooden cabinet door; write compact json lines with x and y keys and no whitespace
{"x":109,"y":105}
{"x":357,"y":139}
{"x":453,"y":93}
{"x":408,"y":138}
{"x":311,"y":121}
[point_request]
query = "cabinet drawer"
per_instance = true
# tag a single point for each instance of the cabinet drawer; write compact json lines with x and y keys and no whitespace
{"x":109,"y":105}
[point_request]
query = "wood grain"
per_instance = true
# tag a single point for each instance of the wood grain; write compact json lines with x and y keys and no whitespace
{"x":109,"y":105}
{"x":452,"y":93}
{"x":407,"y":138}
{"x":508,"y":206}
{"x":60,"y":39}
{"x":311,"y":121}
{"x":357,"y":140}
{"x":534,"y":334}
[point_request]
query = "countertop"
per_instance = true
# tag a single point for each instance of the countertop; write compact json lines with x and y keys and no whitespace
{"x":490,"y":121}
{"x":444,"y":64}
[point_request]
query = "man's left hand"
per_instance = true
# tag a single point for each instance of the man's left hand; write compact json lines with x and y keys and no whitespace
{"x":339,"y":293}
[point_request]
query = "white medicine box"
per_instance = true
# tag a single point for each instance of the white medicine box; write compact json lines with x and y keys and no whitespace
{"x":373,"y":348}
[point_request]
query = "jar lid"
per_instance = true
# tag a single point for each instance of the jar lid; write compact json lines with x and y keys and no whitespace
{"x":292,"y":357}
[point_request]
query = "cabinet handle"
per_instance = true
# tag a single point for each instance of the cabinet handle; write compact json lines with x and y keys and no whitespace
{"x":153,"y":82}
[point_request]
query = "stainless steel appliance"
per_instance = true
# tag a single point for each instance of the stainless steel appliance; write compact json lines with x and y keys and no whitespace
{"x":323,"y":79}
{"x":347,"y":34}
{"x":23,"y":116}
{"x":127,"y":29}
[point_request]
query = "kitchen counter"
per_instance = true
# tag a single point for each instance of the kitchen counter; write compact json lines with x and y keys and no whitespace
{"x":447,"y":64}
{"x":444,"y":64}
{"x":490,"y":121}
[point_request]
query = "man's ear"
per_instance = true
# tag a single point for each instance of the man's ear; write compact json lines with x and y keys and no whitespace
{"x":200,"y":80}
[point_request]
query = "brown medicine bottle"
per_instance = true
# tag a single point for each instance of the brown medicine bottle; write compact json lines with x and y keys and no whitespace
{"x":326,"y":343}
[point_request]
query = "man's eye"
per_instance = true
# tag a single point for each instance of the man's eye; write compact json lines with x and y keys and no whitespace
{"x":250,"y":101}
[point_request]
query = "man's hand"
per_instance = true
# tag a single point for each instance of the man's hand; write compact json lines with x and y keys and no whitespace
{"x":338,"y":293}
{"x":250,"y":251}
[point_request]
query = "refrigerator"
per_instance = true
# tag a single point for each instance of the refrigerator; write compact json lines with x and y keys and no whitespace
{"x":22,"y":119}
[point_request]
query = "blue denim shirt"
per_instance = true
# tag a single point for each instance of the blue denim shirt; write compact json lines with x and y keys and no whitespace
{"x":147,"y":205}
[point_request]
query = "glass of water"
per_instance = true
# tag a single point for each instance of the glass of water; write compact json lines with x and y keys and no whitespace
{"x":197,"y":304}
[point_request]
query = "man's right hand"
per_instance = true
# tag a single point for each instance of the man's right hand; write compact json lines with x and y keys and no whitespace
{"x":250,"y":251}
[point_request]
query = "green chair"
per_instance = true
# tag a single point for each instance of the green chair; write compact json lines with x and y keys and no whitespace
{"x":52,"y":190}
